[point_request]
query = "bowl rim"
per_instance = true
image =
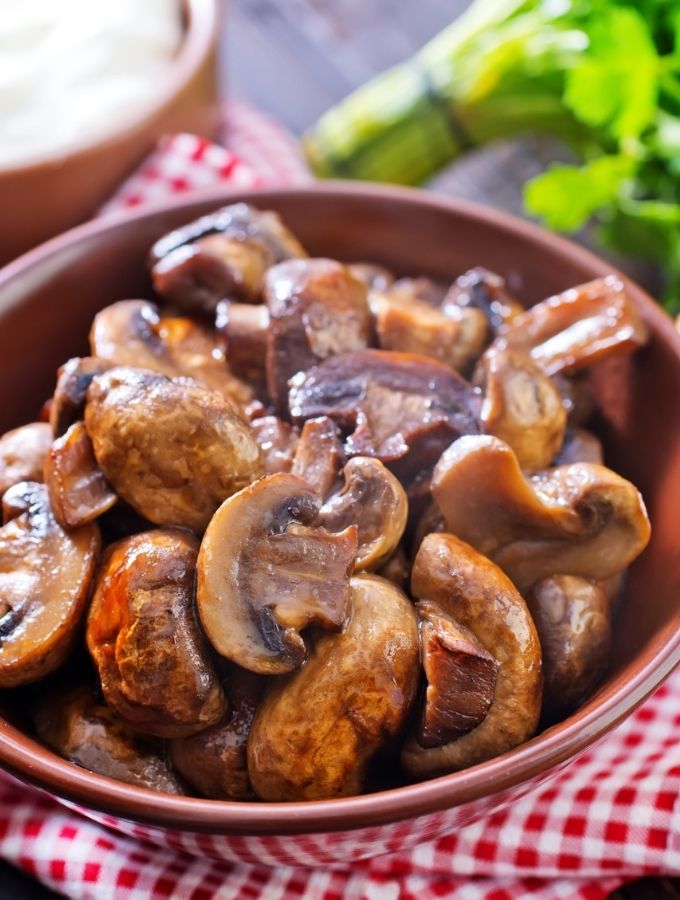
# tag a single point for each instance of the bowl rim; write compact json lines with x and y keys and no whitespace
{"x":197,"y":40}
{"x":34,"y":764}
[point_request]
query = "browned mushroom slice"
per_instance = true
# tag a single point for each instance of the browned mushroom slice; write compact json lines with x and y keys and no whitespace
{"x":461,"y":677}
{"x":277,"y":440}
{"x":573,"y":621}
{"x":243,"y":326}
{"x":264,"y":574}
{"x":319,"y":456}
{"x":575,"y":329}
{"x":316,"y":309}
{"x":521,"y":406}
{"x":579,"y":445}
{"x":356,"y":691}
{"x":153,"y":662}
{"x":22,"y":454}
{"x":173,"y":450}
{"x":215,"y":761}
{"x":477,"y":594}
{"x":225,"y":253}
{"x":76,"y":485}
{"x":486,"y":291}
{"x":413,"y":326}
{"x":374,"y":501}
{"x":580,"y":519}
{"x":375,"y":277}
{"x":88,"y":733}
{"x":45,"y":575}
{"x":73,"y":380}
{"x":396,"y":405}
{"x":132,"y":333}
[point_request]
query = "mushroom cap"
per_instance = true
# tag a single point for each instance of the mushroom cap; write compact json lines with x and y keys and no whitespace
{"x":265,"y":572}
{"x":73,"y":380}
{"x":277,"y":440}
{"x":22,"y":454}
{"x":484,"y":290}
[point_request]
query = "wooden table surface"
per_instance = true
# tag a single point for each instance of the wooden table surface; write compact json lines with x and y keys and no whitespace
{"x":294,"y":59}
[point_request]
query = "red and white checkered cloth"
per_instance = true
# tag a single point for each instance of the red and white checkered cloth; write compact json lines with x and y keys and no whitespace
{"x":611,"y":816}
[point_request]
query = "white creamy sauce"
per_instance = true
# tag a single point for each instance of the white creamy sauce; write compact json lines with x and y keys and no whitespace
{"x":74,"y":70}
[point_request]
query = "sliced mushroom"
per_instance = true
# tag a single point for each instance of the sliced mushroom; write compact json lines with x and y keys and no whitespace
{"x":579,"y":445}
{"x":397,"y":406}
{"x":319,"y":456}
{"x":86,"y":732}
{"x":73,"y":380}
{"x":215,"y":761}
{"x":375,"y":277}
{"x":413,"y":326}
{"x":222,"y":254}
{"x":278,"y":441}
{"x":173,"y":450}
{"x":374,"y":501}
{"x":573,"y":620}
{"x":45,"y":576}
{"x":579,"y":327}
{"x":265,"y":573}
{"x":580,"y":519}
{"x":316,"y":309}
{"x":486,"y":291}
{"x":153,"y":663}
{"x":461,"y":677}
{"x":22,"y":454}
{"x":476,"y":593}
{"x":356,"y":691}
{"x":244,"y":327}
{"x":521,"y":406}
{"x":132,"y":333}
{"x":76,"y":485}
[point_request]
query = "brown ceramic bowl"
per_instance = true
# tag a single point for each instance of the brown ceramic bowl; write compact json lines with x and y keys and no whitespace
{"x":44,"y":197}
{"x":47,"y":300}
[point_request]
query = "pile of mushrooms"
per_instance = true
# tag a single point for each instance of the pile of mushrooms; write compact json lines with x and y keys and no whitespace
{"x":317,"y":524}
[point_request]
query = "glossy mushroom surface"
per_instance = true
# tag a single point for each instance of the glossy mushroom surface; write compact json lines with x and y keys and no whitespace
{"x":22,"y":454}
{"x":68,"y":400}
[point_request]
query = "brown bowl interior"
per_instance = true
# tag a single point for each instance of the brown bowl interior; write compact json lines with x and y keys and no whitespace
{"x":48,"y":298}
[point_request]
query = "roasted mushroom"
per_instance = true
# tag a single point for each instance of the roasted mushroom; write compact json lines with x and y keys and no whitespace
{"x":374,"y":501}
{"x":425,"y":289}
{"x":316,"y":309}
{"x":476,"y":593}
{"x":396,"y":569}
{"x":22,"y":454}
{"x":486,"y":291}
{"x":277,"y":440}
{"x":220,"y":255}
{"x":581,"y":519}
{"x":319,"y":456}
{"x":76,"y":485}
{"x":172,"y":449}
{"x":85,"y":731}
{"x":266,"y":572}
{"x":73,"y":380}
{"x":153,"y":663}
{"x":244,"y":327}
{"x":521,"y":406}
{"x":132,"y":333}
{"x":579,"y":445}
{"x":45,"y":575}
{"x":573,"y":621}
{"x":375,"y":277}
{"x":356,"y":690}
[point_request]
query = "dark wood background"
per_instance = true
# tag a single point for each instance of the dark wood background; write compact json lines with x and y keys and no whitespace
{"x":294,"y":59}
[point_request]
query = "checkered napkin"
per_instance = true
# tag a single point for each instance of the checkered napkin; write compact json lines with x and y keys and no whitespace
{"x":612,"y":815}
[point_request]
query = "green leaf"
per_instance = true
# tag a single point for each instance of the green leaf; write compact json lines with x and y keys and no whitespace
{"x":565,"y":197}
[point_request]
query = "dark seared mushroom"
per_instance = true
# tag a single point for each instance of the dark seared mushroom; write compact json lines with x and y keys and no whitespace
{"x":22,"y":454}
{"x":172,"y":449}
{"x":319,"y":456}
{"x":86,"y":732}
{"x":579,"y":445}
{"x":277,"y":440}
{"x":153,"y":663}
{"x":581,"y":519}
{"x":133,"y":333}
{"x":486,"y":291}
{"x":375,"y":277}
{"x":573,"y":621}
{"x":460,"y":673}
{"x":316,"y":309}
{"x":215,"y":761}
{"x":425,"y":289}
{"x":73,"y":380}
{"x":356,"y":691}
{"x":374,"y":501}
{"x":266,"y":572}
{"x":219,"y":255}
{"x":521,"y":406}
{"x":579,"y":327}
{"x":244,"y":327}
{"x":396,"y":569}
{"x":476,"y":593}
{"x":577,"y":397}
{"x":397,"y":406}
{"x":76,"y":485}
{"x":45,"y":576}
